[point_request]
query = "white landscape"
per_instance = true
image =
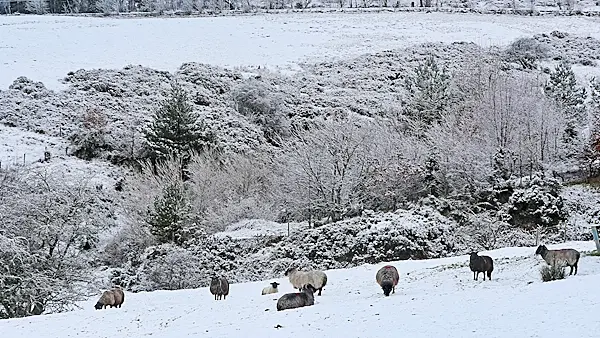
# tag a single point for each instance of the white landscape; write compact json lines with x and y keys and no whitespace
{"x":46,"y":48}
{"x":82,"y":209}
{"x":434,"y":298}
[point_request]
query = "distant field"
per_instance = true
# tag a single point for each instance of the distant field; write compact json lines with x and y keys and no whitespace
{"x":45,"y":48}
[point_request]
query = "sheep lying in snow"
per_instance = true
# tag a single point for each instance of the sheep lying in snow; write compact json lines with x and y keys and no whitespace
{"x":296,"y":300}
{"x":483,"y":264}
{"x":270,"y":289}
{"x":219,"y":287}
{"x":317,"y":279}
{"x":560,"y":258}
{"x":112,"y":298}
{"x":387,"y":277}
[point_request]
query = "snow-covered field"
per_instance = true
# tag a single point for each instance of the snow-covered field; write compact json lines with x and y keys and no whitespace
{"x":435,"y":298}
{"x":45,"y":48}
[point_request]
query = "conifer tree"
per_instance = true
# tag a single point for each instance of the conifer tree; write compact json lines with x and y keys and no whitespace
{"x":429,"y":91}
{"x":171,"y":219}
{"x":570,"y":99}
{"x":176,"y":129}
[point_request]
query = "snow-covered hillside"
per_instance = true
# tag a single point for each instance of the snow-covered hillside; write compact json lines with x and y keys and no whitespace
{"x":435,"y":298}
{"x":46,"y":48}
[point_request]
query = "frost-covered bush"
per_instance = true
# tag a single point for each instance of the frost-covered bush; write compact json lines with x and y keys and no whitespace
{"x":90,"y":142}
{"x":263,"y":104}
{"x":390,"y":236}
{"x":526,"y":52}
{"x":534,"y":203}
{"x":552,"y":272}
{"x":173,"y":267}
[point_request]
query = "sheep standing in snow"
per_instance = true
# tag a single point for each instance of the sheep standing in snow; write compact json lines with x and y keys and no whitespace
{"x":317,"y":279}
{"x":219,"y":287}
{"x":479,"y":264}
{"x":270,"y":289}
{"x":387,"y":277}
{"x":560,"y":258}
{"x":298,"y":299}
{"x":112,"y":298}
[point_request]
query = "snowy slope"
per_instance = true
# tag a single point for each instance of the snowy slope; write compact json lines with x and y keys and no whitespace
{"x":435,"y":298}
{"x":46,"y":48}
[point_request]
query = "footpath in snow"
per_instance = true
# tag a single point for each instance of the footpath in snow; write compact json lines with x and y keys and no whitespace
{"x":435,"y":298}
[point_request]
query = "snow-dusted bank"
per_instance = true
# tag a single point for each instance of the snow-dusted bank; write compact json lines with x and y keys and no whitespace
{"x":435,"y":298}
{"x":46,"y":48}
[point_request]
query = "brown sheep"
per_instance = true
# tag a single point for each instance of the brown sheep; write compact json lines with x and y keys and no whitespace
{"x":112,"y":298}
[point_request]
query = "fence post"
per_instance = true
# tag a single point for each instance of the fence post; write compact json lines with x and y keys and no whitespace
{"x":595,"y":234}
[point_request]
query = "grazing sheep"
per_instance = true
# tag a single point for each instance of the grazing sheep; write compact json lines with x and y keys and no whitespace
{"x":219,"y":286}
{"x":296,"y":300}
{"x":112,"y":298}
{"x":560,"y":258}
{"x":317,"y":279}
{"x":270,"y":289}
{"x":387,"y":277}
{"x":483,"y":264}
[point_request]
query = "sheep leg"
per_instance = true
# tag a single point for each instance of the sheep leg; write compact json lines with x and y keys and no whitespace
{"x":394,"y":289}
{"x":570,"y":270}
{"x":321,"y":289}
{"x":575,"y":268}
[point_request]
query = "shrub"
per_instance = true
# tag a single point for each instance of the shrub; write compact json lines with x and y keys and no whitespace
{"x":526,"y":52}
{"x":552,"y":272}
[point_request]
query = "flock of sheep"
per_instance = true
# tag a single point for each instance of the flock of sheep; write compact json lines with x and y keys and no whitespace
{"x":309,"y":282}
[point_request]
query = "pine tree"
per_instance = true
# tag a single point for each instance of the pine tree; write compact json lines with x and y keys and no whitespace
{"x":429,"y":91}
{"x":570,"y":99}
{"x":176,"y":129}
{"x":171,"y":219}
{"x":431,"y":180}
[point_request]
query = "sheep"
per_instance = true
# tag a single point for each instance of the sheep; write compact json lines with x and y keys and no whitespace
{"x":219,"y":287}
{"x":119,"y":296}
{"x":296,"y":300}
{"x":483,"y":264}
{"x":270,"y":289}
{"x":562,"y":257}
{"x":112,"y":298}
{"x":318,"y":279}
{"x":387,"y":277}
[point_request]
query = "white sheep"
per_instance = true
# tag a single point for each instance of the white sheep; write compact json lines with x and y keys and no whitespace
{"x":270,"y":289}
{"x":299,"y":279}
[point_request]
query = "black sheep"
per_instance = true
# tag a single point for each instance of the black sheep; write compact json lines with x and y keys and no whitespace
{"x":479,"y":264}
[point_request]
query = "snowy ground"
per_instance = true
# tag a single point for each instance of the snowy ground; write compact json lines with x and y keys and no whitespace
{"x":249,"y":228}
{"x":435,"y":298}
{"x":45,"y":48}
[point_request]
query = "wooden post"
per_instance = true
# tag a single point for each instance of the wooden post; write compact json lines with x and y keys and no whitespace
{"x":595,"y":234}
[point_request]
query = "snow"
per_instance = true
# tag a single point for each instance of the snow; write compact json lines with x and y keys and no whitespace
{"x":16,"y":142}
{"x":435,"y":298}
{"x":46,"y":48}
{"x":249,"y":228}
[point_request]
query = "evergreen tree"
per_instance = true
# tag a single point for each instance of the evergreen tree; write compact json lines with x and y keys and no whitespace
{"x":431,"y":180}
{"x":569,"y":97}
{"x":171,"y":220}
{"x":176,"y":129}
{"x":429,"y":91}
